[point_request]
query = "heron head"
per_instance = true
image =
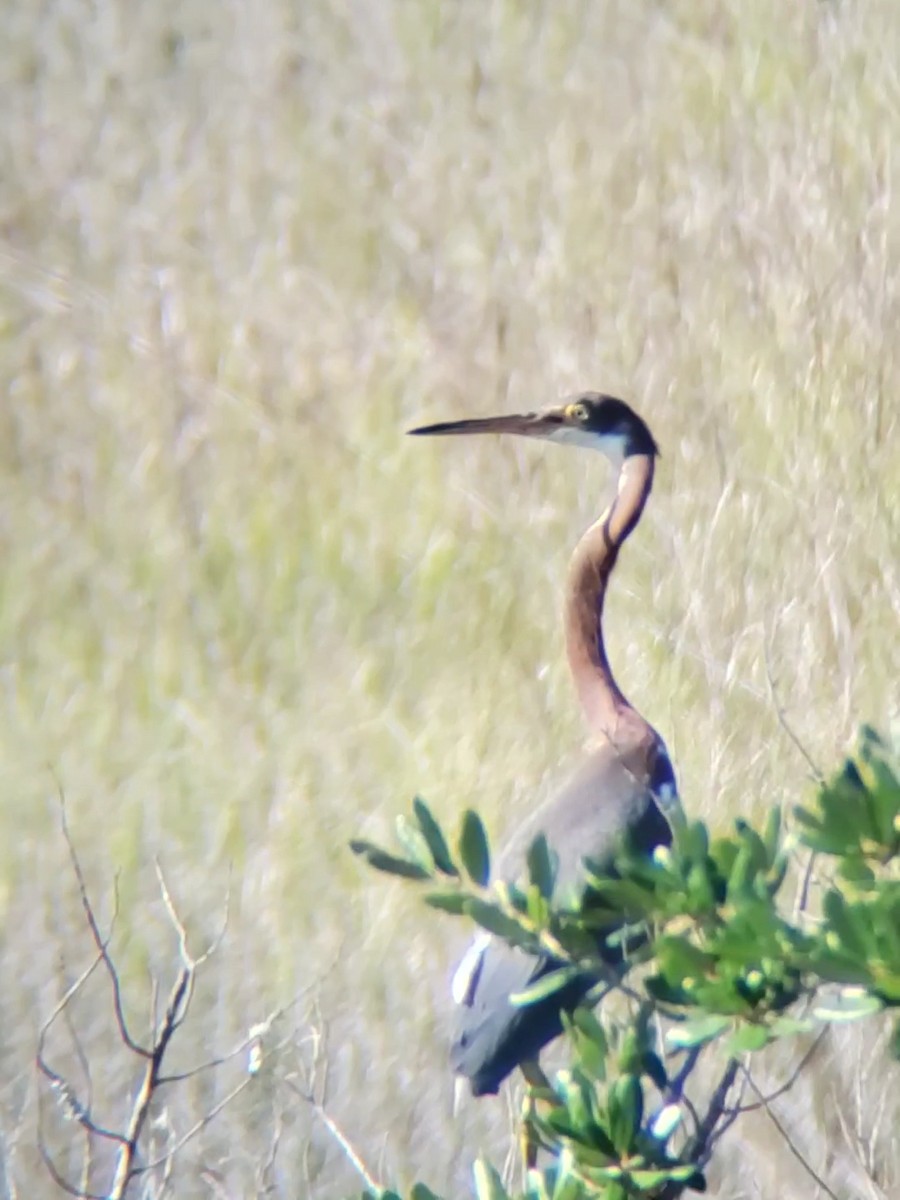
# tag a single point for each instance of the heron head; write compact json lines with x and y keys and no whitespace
{"x":587,"y":419}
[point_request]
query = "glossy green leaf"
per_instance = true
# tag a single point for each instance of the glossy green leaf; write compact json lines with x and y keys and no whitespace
{"x":615,"y":1191}
{"x":434,"y":836}
{"x":542,"y":864}
{"x":538,"y":908}
{"x":388,"y":863}
{"x":747,"y":1038}
{"x":844,"y":922}
{"x":698,"y":1031}
{"x":488,"y":1184}
{"x":547,"y":985}
{"x":421,"y":1192}
{"x":789,"y":1026}
{"x":473,"y":849}
{"x":647,"y":1179}
{"x":772,"y":831}
{"x":567,"y":1186}
{"x":626,"y":1110}
{"x":588,"y":1040}
{"x":453,"y":902}
{"x":852,"y":1004}
{"x":858,"y":872}
{"x":415,"y":845}
{"x":489,"y":917}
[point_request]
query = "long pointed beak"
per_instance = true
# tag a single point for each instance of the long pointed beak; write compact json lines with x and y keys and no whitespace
{"x":538,"y":425}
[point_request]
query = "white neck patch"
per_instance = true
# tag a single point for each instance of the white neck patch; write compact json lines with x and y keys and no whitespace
{"x":610,"y":444}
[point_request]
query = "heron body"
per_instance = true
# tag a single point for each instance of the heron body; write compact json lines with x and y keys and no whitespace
{"x":625,"y":783}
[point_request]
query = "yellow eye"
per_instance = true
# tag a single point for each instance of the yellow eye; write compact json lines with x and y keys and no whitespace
{"x":578,"y":412}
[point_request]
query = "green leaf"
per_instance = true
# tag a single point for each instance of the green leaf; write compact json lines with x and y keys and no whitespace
{"x":586,"y":1021}
{"x":772,"y":832}
{"x":488,"y":1184}
{"x":692,"y":841}
{"x":382,"y":861}
{"x":857,"y":872}
{"x":789,"y":1027}
{"x":615,"y":1191}
{"x":415,"y":845}
{"x":849,"y":1005}
{"x":589,"y":1042}
{"x":473,"y":849}
{"x":542,"y":864}
{"x":688,"y":1173}
{"x":433,"y":835}
{"x":448,"y":901}
{"x":646,"y":1179}
{"x":626,"y":1111}
{"x":567,"y":1186}
{"x":698,"y":1031}
{"x":547,"y":985}
{"x":538,"y":908}
{"x":421,"y":1192}
{"x":746,"y":1038}
{"x":681,"y":960}
{"x":845,"y":923}
{"x":491,"y":918}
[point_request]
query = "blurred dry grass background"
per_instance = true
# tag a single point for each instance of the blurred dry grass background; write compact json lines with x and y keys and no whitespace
{"x":242,"y":248}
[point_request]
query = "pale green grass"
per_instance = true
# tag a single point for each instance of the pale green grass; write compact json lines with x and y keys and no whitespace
{"x":243,"y":618}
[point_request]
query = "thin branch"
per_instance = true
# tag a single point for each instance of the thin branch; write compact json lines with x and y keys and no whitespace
{"x":193,"y":1131}
{"x":61,"y":1181}
{"x":254,"y":1037}
{"x":704,"y":1137}
{"x":785,"y":1087}
{"x":804,"y":1163}
{"x":781,"y":716}
{"x":101,"y":943}
{"x":699,"y":1147}
{"x":175,"y":1009}
{"x":67,"y":996}
{"x":67,"y":1096}
{"x":84,"y":1063}
{"x":675,"y":1090}
{"x":73,"y":1108}
{"x":803,"y":895}
{"x":264,"y":1173}
{"x":349,"y":1150}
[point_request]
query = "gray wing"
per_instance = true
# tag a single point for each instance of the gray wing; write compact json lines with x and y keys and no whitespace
{"x":588,"y":819}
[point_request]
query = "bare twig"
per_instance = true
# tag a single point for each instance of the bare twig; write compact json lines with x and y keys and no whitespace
{"x":352,"y":1155}
{"x":179,"y":997}
{"x":804,"y":1163}
{"x":782,"y":718}
{"x":319,"y":1074}
{"x":717,"y":1120}
{"x":164,"y":1026}
{"x":163,"y":1159}
{"x":101,"y":943}
{"x":785,"y":1087}
{"x":712,"y":1126}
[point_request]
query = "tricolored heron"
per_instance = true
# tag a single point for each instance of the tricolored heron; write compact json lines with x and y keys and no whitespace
{"x":626,"y":782}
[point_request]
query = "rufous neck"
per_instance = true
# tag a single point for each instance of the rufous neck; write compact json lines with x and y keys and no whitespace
{"x":603,"y":702}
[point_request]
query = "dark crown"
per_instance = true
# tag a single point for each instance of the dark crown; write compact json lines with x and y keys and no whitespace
{"x":607,"y":415}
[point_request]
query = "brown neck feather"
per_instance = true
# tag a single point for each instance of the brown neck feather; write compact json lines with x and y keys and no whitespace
{"x":608,"y":712}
